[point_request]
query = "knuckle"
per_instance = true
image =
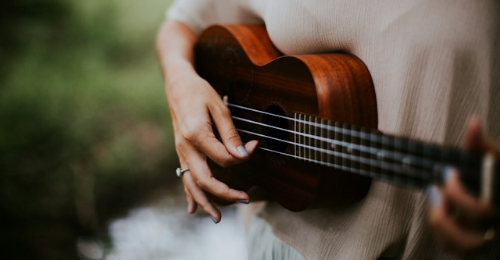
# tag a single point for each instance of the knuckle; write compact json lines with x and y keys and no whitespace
{"x":205,"y":205}
{"x":202,"y":183}
{"x":222,"y":111}
{"x":191,"y":131}
{"x":179,"y":143}
{"x":224,"y":163}
{"x":223,"y":192}
{"x":232,"y":135}
{"x":226,"y":194}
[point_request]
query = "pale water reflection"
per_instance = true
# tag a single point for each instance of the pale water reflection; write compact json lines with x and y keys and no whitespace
{"x":160,"y":232}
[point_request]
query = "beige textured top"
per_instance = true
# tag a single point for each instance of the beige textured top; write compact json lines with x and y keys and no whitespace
{"x":433,"y":62}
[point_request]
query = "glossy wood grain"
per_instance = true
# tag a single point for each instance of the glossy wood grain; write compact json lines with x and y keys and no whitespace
{"x":240,"y":61}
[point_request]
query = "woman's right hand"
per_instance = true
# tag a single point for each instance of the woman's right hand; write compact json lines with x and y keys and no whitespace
{"x":194,"y":106}
{"x":197,"y":110}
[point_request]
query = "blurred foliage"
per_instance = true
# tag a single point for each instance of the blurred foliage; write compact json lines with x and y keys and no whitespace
{"x":84,"y":128}
{"x":22,"y":20}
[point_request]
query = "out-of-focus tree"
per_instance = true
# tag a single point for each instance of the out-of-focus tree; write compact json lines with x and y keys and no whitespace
{"x":25,"y":20}
{"x":83,"y":123}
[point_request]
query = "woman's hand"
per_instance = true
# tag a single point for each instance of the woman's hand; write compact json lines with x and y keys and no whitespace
{"x":194,"y":106}
{"x":197,"y":109}
{"x":461,"y":221}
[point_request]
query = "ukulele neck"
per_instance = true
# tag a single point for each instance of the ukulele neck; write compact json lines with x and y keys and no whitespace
{"x":369,"y":153}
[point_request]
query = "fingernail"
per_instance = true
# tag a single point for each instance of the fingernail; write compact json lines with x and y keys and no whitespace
{"x":214,"y":219}
{"x":448,"y":173}
{"x":242,"y":150}
{"x":434,"y":195}
{"x":189,"y":209}
{"x":244,"y":201}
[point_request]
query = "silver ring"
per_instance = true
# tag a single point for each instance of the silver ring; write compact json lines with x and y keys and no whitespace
{"x":180,"y":171}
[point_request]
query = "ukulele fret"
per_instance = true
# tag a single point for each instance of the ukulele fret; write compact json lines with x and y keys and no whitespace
{"x":316,"y":143}
{"x":296,"y":151}
{"x":324,"y":145}
{"x":327,"y":145}
{"x":398,"y":160}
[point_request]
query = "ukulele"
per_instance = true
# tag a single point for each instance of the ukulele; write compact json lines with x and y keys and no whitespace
{"x":315,"y":117}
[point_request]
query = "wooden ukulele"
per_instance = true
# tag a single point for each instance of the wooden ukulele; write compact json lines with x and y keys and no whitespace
{"x":315,"y":116}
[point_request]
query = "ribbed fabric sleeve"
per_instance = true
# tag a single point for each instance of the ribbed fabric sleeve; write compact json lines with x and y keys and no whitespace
{"x":201,"y":14}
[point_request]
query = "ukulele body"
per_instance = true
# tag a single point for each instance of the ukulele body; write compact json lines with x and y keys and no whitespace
{"x":241,"y":63}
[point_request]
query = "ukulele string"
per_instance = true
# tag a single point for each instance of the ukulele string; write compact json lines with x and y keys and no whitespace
{"x":361,"y":135}
{"x":403,"y":163}
{"x":357,"y":134}
{"x":405,"y":159}
{"x":418,"y":181}
{"x":405,"y":170}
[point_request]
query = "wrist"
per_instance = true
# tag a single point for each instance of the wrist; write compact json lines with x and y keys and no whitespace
{"x":178,"y":69}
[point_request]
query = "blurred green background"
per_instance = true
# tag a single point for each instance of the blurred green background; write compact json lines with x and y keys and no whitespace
{"x":84,"y":127}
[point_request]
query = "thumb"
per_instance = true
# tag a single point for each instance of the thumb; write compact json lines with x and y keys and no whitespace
{"x":474,"y":139}
{"x":228,"y":132}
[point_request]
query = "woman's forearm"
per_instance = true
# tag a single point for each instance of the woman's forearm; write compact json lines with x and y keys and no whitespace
{"x":196,"y":109}
{"x":174,"y":46}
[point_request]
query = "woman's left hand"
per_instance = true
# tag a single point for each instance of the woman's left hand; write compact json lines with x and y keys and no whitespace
{"x":461,"y":221}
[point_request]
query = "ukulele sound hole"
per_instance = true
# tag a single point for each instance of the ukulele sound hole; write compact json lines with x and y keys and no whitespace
{"x":277,"y":130}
